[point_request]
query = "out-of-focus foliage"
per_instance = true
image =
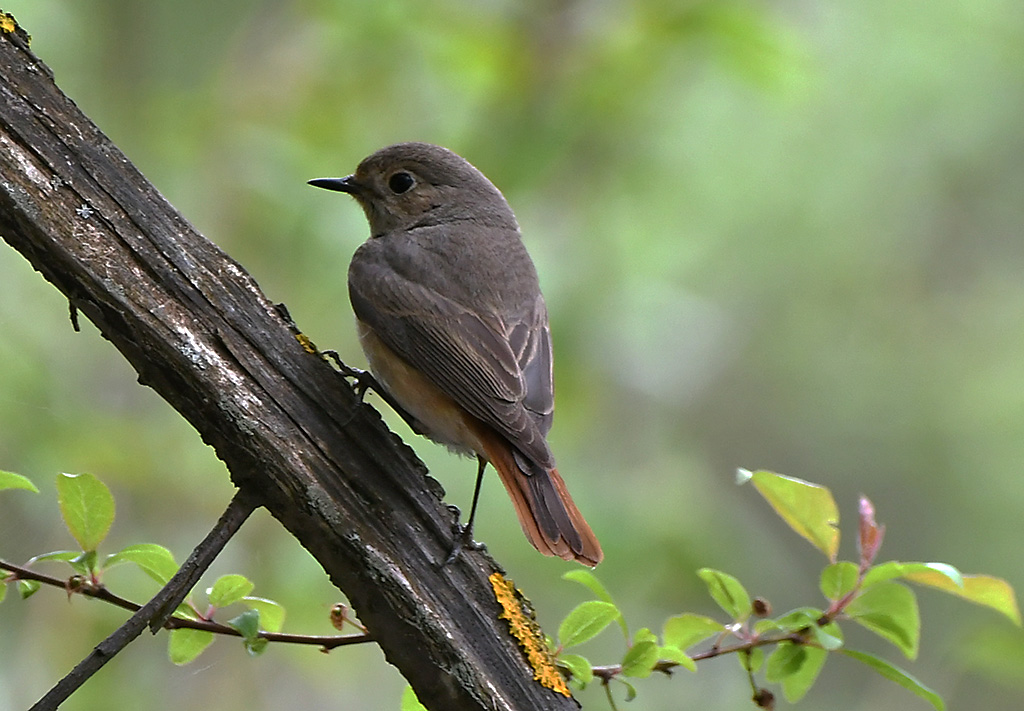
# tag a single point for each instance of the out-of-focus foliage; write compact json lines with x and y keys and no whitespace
{"x":781,"y":236}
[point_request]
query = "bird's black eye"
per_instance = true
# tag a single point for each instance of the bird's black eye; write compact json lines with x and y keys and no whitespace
{"x":400,"y":182}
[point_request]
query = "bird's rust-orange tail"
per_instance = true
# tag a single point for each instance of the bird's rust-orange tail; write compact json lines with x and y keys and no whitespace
{"x":546,"y":511}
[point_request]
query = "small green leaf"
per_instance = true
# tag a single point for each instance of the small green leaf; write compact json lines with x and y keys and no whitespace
{"x":808,"y":508}
{"x":678,"y":656}
{"x":66,"y":556}
{"x":889,"y":610}
{"x":727,"y":591}
{"x":27,"y":588}
{"x":87,"y":507}
{"x":752,"y":659}
{"x":10,"y":480}
{"x":630,"y":689}
{"x":586,"y":621}
{"x":684,"y":631}
{"x":255,"y":647}
{"x":829,"y":637}
{"x":640,"y":659}
{"x":410,"y":702}
{"x":899,"y":676}
{"x":579,"y":667}
{"x":838,"y":579}
{"x":895,"y":569}
{"x":185,"y":645}
{"x":155,"y":561}
{"x":248,"y":623}
{"x":271,"y":613}
{"x":3,"y":588}
{"x":799,"y":682}
{"x":979,"y":589}
{"x":588,"y":580}
{"x":229,"y":589}
{"x":784,"y":661}
{"x":799,"y":619}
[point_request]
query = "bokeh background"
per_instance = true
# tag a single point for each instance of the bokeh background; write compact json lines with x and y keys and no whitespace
{"x":782,"y":236}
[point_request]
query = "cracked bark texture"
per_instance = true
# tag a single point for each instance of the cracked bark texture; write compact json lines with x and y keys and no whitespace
{"x":199,"y":332}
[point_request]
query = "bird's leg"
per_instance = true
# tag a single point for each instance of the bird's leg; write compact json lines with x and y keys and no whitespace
{"x":363,"y":380}
{"x":464,"y":534}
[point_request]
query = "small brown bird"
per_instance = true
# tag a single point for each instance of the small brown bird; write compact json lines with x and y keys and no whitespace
{"x":453,"y":324}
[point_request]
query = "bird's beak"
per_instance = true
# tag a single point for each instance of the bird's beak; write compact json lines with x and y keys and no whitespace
{"x":347,"y":184}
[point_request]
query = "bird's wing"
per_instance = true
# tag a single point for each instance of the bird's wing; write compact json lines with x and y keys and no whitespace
{"x":497,"y":369}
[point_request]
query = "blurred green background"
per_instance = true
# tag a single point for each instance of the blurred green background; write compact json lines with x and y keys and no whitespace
{"x":780,"y":236}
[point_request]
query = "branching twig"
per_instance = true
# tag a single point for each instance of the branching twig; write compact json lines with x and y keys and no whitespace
{"x":100,"y":592}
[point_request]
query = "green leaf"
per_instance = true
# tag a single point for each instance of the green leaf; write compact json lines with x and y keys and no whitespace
{"x":271,"y":613}
{"x":727,"y":591}
{"x":155,"y":561}
{"x":229,"y":589}
{"x":66,"y":556}
{"x":899,"y":676}
{"x":185,"y":645}
{"x":588,"y":580}
{"x":829,"y":637}
{"x":87,"y":507}
{"x":586,"y":621}
{"x":752,"y":659}
{"x":410,"y":702}
{"x":838,"y":579}
{"x":579,"y":667}
{"x":678,"y":656}
{"x":3,"y":588}
{"x":248,"y":623}
{"x":784,"y":661}
{"x":895,"y":569}
{"x":808,"y":508}
{"x":889,"y":610}
{"x":800,"y":681}
{"x":10,"y":480}
{"x":979,"y":589}
{"x":642,"y":655}
{"x":799,"y":619}
{"x":684,"y":631}
{"x":27,"y":588}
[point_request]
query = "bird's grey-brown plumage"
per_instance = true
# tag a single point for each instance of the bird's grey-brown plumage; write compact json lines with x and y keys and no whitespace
{"x":446,"y":285}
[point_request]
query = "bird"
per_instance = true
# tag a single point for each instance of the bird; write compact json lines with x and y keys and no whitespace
{"x":451,"y":318}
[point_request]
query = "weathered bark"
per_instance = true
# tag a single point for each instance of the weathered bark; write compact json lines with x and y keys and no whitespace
{"x":197,"y":329}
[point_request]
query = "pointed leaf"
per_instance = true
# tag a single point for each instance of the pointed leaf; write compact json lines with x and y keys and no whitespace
{"x":271,"y":613}
{"x":980,"y":589}
{"x":640,"y":659}
{"x":155,"y":561}
{"x":727,"y":591}
{"x":899,"y":676}
{"x":229,"y":589}
{"x":838,"y":579}
{"x":579,"y":667}
{"x":684,"y":631}
{"x":586,"y":621}
{"x":588,"y":580}
{"x":889,"y":610}
{"x":28,"y":588}
{"x":808,"y":508}
{"x":10,"y":480}
{"x":248,"y":623}
{"x":799,"y":682}
{"x":895,"y":569}
{"x":87,"y":507}
{"x":784,"y":661}
{"x":185,"y":644}
{"x":678,"y":656}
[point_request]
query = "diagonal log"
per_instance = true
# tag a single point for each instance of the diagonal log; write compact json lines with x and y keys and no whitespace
{"x":199,"y":332}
